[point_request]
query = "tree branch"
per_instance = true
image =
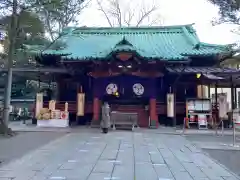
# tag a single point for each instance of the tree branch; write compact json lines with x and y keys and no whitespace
{"x":104,"y":12}
{"x":130,"y":14}
{"x":145,"y":14}
{"x":117,"y":11}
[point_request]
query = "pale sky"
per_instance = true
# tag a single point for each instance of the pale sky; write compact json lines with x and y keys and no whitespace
{"x":174,"y":12}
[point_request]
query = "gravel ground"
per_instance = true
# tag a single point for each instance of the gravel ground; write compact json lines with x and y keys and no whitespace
{"x":229,"y":158}
{"x":15,"y":147}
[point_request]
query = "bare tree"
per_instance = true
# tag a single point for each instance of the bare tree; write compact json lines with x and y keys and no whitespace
{"x":229,"y":12}
{"x":126,"y":14}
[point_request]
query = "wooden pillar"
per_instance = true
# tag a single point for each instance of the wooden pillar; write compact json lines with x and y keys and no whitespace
{"x":209,"y":91}
{"x":96,"y":109}
{"x":175,"y":107}
{"x":232,"y":95}
{"x":216,"y":98}
{"x":232,"y":100}
{"x":216,"y":104}
{"x":235,"y":97}
{"x":153,"y":113}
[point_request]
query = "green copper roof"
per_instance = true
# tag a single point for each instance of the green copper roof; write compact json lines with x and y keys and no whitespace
{"x":163,"y":43}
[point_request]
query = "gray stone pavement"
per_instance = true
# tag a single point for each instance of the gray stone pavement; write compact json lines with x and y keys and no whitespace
{"x":119,"y":155}
{"x":15,"y":147}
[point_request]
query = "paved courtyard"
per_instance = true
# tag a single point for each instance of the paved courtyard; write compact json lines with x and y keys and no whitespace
{"x":15,"y":147}
{"x":119,"y":155}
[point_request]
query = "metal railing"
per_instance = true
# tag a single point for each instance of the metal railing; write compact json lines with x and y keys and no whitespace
{"x":235,"y":138}
{"x":222,"y":127}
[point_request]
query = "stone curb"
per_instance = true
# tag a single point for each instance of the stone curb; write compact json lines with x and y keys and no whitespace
{"x":224,"y":167}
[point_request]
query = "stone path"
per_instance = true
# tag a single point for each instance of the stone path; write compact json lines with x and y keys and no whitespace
{"x":116,"y":156}
{"x":15,"y":147}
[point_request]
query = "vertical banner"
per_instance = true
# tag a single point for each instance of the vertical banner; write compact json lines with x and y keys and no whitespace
{"x":222,"y":100}
{"x":52,"y":105}
{"x":201,"y":91}
{"x":80,"y":104}
{"x":66,"y":107}
{"x":170,"y":105}
{"x":222,"y":103}
{"x":39,"y":103}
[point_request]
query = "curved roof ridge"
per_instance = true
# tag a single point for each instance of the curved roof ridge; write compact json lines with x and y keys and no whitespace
{"x":123,"y":29}
{"x":217,"y":45}
{"x":190,"y":37}
{"x":124,"y":41}
{"x":125,"y":45}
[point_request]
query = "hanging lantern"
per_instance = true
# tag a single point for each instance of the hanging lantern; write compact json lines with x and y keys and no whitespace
{"x":198,"y":75}
{"x":116,"y":94}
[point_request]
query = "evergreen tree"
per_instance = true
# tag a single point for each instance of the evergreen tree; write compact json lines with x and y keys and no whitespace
{"x":229,"y":11}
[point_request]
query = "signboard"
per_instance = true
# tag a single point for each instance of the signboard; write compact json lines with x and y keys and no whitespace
{"x":236,"y":116}
{"x":199,"y":105}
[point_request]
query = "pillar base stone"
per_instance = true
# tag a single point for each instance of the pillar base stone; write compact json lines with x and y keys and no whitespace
{"x":153,"y":124}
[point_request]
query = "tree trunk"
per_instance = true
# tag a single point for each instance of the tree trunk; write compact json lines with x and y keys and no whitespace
{"x":11,"y":51}
{"x":5,"y":130}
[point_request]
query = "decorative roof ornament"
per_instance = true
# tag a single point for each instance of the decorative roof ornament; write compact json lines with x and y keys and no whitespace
{"x":124,"y":41}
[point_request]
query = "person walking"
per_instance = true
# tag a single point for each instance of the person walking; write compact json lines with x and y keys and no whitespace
{"x":105,"y":122}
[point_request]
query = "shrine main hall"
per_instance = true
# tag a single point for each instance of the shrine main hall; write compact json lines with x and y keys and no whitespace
{"x":134,"y":69}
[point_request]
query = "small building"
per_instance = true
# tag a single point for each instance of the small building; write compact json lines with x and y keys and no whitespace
{"x":133,"y":68}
